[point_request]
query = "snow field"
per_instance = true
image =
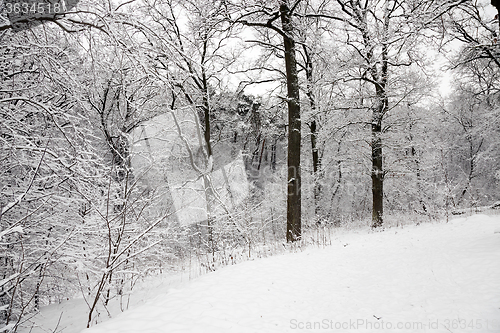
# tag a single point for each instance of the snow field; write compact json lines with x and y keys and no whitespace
{"x":428,"y":278}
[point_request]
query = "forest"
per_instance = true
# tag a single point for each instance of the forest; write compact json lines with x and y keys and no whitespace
{"x":144,"y":136}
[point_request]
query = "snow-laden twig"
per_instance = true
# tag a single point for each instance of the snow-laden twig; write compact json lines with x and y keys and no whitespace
{"x":138,"y":237}
{"x":12,"y":204}
{"x":11,"y":230}
{"x":114,"y":266}
{"x":7,"y":280}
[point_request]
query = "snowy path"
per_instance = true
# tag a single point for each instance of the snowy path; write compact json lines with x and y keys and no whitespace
{"x":427,"y":278}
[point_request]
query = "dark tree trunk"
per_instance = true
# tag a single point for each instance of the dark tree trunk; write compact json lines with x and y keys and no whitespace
{"x":273,"y":155}
{"x":209,"y":195}
{"x":377,"y":168}
{"x":380,"y":78}
{"x":206,"y":113}
{"x":261,"y":153}
{"x":293,"y":225}
{"x":496,"y":4}
{"x":314,"y":131}
{"x":117,"y":142}
{"x":316,"y":168}
{"x":420,"y":192}
{"x":377,"y":154}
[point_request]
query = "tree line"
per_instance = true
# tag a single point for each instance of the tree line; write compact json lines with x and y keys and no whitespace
{"x":333,"y":104}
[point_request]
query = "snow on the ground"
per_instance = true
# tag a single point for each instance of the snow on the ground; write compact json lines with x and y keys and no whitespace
{"x":428,"y":278}
{"x":71,"y":316}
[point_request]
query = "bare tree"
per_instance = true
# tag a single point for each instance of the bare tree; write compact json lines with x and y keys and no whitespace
{"x":47,"y":161}
{"x":479,"y":33}
{"x":261,"y":15}
{"x":381,"y":35}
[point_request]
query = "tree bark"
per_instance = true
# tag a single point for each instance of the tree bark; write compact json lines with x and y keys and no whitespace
{"x":496,"y":4}
{"x":378,"y":172}
{"x":419,"y":177}
{"x":314,"y":131}
{"x":377,"y":166}
{"x":380,"y":77}
{"x":206,"y":113}
{"x":293,"y":225}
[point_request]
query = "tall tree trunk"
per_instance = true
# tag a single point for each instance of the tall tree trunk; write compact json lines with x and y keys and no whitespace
{"x":377,"y":166}
{"x":314,"y":131}
{"x":380,"y":78}
{"x":206,"y":112}
{"x":472,"y":168}
{"x":209,"y":195}
{"x":293,"y":225}
{"x":378,"y":172}
{"x":420,"y":191}
{"x":273,"y":155}
{"x":316,"y":166}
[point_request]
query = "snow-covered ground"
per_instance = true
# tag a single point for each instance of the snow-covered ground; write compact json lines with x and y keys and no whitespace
{"x":429,"y":278}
